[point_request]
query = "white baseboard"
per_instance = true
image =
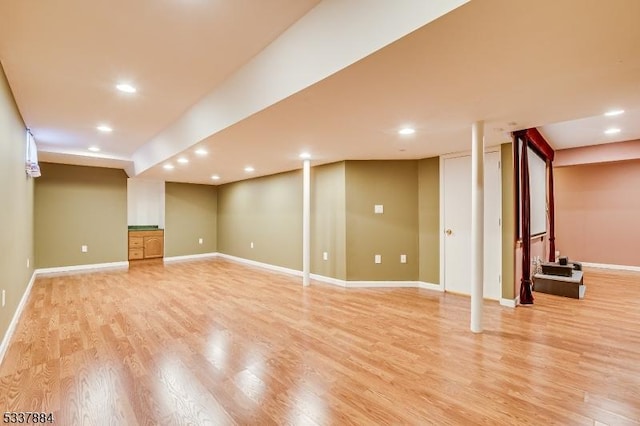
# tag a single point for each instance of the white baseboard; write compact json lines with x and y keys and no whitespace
{"x":394,"y":284}
{"x":328,"y":280}
{"x":190,"y":257}
{"x":614,"y":267}
{"x":336,"y":281}
{"x":509,"y":303}
{"x":430,"y":286}
{"x":16,"y":317}
{"x":383,"y":284}
{"x":75,"y":268}
{"x":261,"y":264}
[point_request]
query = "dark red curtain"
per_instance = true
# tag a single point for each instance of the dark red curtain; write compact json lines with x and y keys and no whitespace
{"x":521,"y":141}
{"x":526,"y":296}
{"x":552,"y":220}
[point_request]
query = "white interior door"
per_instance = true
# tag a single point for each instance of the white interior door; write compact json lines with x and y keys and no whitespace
{"x":457,"y":225}
{"x":492,"y":227}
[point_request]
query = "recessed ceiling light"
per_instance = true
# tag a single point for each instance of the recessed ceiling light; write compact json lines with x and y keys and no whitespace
{"x":168,"y":166}
{"x":614,"y":112}
{"x":201,"y":151}
{"x":612,"y":131}
{"x":94,"y":149}
{"x":215,"y":177}
{"x":249,"y":169}
{"x":183,"y":160}
{"x":406,"y":131}
{"x":305,"y":155}
{"x":126,"y":88}
{"x":104,"y":128}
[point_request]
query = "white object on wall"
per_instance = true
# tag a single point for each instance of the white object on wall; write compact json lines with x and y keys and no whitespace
{"x":31,"y":158}
{"x":145,"y":202}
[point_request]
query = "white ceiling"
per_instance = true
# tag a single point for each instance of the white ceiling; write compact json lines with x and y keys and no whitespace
{"x":64,"y":57}
{"x":528,"y":62}
{"x":591,"y":130}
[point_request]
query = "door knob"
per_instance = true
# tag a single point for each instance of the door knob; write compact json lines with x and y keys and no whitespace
{"x":448,"y":232}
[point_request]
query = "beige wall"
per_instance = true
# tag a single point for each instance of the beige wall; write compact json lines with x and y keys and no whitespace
{"x":429,"y":220}
{"x":394,"y":184}
{"x":597,"y":211}
{"x":16,"y":213}
{"x":190,"y":214}
{"x":508,"y":222}
{"x":328,"y":220}
{"x":266,"y":211}
{"x":76,"y":205}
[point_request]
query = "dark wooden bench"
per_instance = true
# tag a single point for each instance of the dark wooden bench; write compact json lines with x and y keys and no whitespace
{"x":561,"y":286}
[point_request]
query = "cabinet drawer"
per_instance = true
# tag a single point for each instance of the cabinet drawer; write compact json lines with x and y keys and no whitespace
{"x":136,"y":253}
{"x":136,"y":242}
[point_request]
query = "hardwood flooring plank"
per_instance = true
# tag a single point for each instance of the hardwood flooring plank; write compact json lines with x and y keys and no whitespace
{"x":215,"y":342}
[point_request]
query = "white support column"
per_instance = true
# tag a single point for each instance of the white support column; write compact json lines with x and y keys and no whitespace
{"x":306,"y":223}
{"x":477,"y":225}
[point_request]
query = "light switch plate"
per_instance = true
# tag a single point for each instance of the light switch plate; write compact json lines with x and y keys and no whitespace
{"x":200,"y":240}
{"x":378,"y":209}
{"x":377,"y":258}
{"x":325,"y":256}
{"x":84,"y":248}
{"x":403,"y":258}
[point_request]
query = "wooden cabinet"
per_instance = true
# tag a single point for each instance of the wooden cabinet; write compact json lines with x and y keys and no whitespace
{"x":146,"y":244}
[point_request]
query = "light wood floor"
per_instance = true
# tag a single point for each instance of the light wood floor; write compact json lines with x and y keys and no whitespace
{"x":213,"y":342}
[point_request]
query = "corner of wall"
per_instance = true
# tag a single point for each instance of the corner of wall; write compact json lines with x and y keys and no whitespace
{"x":76,"y":206}
{"x":16,"y":241}
{"x":508,"y":222}
{"x":394,"y":185}
{"x":429,"y":219}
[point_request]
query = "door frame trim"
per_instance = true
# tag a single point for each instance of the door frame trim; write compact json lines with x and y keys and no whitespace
{"x":488,"y":149}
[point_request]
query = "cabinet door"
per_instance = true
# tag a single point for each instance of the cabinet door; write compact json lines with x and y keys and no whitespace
{"x":153,"y":247}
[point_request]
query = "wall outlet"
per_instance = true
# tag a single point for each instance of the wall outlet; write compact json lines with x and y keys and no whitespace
{"x":377,"y":258}
{"x":84,"y":248}
{"x":3,"y":298}
{"x":251,"y":244}
{"x":325,"y":256}
{"x":403,"y":258}
{"x":200,"y":241}
{"x":378,"y":209}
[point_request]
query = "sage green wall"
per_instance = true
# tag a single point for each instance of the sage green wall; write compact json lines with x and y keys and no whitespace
{"x":429,"y":219}
{"x":190,"y":214}
{"x":16,"y":212}
{"x":76,"y":205}
{"x":508,"y":222}
{"x":266,"y":211}
{"x":328,"y":220}
{"x":394,"y":184}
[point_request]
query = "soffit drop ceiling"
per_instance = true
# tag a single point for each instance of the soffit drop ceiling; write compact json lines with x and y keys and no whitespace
{"x":512,"y":64}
